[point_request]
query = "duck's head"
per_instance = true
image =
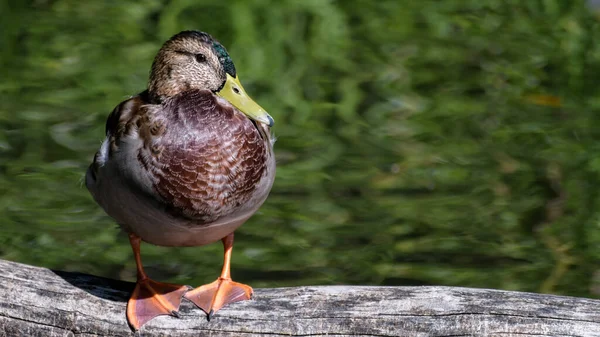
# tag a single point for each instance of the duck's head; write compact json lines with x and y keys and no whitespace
{"x":194,"y":60}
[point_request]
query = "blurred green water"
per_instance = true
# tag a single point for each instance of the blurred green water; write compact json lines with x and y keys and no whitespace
{"x":419,"y":141}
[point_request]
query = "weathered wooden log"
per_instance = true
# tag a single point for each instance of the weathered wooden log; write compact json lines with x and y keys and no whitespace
{"x":41,"y":302}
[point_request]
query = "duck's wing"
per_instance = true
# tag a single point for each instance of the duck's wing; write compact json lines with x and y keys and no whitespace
{"x":121,"y":123}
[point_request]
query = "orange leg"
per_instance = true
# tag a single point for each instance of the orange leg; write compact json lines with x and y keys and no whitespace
{"x":150,"y":298}
{"x":213,"y":296}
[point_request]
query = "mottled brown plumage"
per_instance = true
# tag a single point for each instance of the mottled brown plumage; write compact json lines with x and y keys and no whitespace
{"x":183,"y":166}
{"x":207,"y":173}
{"x":219,"y":163}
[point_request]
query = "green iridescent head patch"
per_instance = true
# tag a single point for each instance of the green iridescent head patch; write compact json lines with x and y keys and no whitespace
{"x":224,"y":58}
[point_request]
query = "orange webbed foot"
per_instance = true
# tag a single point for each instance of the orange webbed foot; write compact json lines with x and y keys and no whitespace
{"x":151,"y":299}
{"x":213,"y":296}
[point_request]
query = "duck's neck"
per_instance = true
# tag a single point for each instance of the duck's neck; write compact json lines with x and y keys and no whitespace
{"x":160,"y":91}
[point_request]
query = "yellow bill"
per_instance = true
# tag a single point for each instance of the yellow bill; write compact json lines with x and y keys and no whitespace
{"x":237,"y":96}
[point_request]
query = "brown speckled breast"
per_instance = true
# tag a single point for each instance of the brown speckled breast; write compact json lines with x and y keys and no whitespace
{"x":206,"y":158}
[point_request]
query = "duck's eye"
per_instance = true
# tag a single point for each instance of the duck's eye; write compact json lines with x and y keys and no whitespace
{"x":200,"y":58}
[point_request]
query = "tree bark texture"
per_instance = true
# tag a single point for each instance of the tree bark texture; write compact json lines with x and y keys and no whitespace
{"x":41,"y":302}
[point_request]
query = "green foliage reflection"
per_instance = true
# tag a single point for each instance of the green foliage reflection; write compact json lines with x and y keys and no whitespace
{"x":419,"y":142}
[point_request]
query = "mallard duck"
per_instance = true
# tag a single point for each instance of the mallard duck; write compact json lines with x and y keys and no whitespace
{"x":184,"y":163}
